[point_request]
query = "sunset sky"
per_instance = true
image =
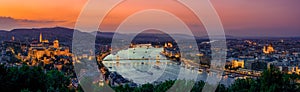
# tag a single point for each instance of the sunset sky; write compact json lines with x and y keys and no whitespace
{"x":239,"y":17}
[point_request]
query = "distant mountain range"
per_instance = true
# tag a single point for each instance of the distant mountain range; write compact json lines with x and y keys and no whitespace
{"x":66,"y":35}
{"x":63,"y":34}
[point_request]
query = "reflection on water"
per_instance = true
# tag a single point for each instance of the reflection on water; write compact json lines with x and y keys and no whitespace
{"x":131,"y":64}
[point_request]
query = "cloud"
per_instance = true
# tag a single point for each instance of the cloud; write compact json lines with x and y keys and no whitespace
{"x":9,"y":23}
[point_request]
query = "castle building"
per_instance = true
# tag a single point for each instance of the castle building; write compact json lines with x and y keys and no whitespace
{"x":42,"y":40}
{"x":44,"y":48}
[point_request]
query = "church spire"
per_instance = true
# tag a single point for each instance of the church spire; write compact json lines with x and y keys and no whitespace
{"x":41,"y":37}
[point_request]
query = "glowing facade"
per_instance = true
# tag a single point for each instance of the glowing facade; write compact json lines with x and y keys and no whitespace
{"x":44,"y":49}
{"x":56,"y":44}
{"x":294,"y":69}
{"x":42,"y":40}
{"x":268,"y":49}
{"x":171,"y":51}
{"x":238,"y":63}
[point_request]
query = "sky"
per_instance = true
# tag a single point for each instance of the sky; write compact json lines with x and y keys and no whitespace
{"x":239,"y":17}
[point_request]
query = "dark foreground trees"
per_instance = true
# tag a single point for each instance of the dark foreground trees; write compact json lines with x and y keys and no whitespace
{"x":272,"y":80}
{"x":35,"y":79}
{"x":170,"y":86}
{"x":25,"y":78}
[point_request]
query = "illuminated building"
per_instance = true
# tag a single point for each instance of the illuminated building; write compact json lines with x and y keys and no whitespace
{"x":44,"y":48}
{"x":268,"y":49}
{"x":140,"y":45}
{"x":42,"y":40}
{"x":237,"y":63}
{"x":56,"y":44}
{"x":295,"y":70}
{"x":168,"y":45}
{"x":171,"y":52}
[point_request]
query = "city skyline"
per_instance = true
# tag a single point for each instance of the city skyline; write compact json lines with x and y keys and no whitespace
{"x":239,"y":18}
{"x":149,"y":46}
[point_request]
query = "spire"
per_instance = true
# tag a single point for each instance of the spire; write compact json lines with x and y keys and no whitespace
{"x":41,"y":37}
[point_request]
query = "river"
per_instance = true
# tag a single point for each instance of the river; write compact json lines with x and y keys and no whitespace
{"x":147,"y":65}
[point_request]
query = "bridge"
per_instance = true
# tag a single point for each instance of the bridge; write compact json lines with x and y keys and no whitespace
{"x":244,"y":73}
{"x":134,"y":59}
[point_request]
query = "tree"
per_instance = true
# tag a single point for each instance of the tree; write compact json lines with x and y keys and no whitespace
{"x":25,"y":78}
{"x":272,"y":80}
{"x":57,"y":80}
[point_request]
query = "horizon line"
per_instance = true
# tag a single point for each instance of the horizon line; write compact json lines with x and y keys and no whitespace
{"x":201,"y":36}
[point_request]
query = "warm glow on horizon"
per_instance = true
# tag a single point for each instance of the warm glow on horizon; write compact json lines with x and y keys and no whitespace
{"x":41,"y":9}
{"x":247,"y":17}
{"x":64,"y":11}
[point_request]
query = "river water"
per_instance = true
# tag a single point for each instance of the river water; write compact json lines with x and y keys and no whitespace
{"x":147,"y":65}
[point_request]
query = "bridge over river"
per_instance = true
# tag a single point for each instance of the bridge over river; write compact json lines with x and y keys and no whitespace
{"x":147,"y":65}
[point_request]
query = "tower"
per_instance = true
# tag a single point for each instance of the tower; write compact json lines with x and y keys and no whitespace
{"x":56,"y":44}
{"x":41,"y":37}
